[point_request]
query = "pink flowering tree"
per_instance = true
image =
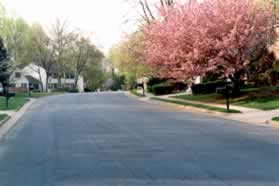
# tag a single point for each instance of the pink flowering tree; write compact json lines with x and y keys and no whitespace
{"x":220,"y":36}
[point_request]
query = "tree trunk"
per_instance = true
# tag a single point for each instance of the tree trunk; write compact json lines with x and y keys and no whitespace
{"x":41,"y":82}
{"x":47,"y":78}
{"x":76,"y":81}
{"x":236,"y":82}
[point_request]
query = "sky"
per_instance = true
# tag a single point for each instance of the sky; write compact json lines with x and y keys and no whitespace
{"x":104,"y":20}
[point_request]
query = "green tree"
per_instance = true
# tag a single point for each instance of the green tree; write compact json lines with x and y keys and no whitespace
{"x":83,"y":55}
{"x":4,"y":66}
{"x":127,"y":58}
{"x":43,"y":52}
{"x":16,"y":34}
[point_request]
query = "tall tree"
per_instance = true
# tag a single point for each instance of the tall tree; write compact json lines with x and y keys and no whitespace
{"x":184,"y":43}
{"x":127,"y":57}
{"x":4,"y":66}
{"x":16,"y":34}
{"x":62,"y":39}
{"x":43,"y":53}
{"x":83,"y":53}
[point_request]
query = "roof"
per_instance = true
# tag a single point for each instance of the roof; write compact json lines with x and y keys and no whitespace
{"x":32,"y":80}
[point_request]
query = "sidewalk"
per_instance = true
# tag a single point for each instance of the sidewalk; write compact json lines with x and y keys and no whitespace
{"x":14,"y":117}
{"x":248,"y":115}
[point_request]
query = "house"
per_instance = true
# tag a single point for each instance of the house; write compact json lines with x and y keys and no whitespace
{"x":35,"y":77}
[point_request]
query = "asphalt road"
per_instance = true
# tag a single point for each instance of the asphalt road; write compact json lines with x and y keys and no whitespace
{"x":109,"y":139}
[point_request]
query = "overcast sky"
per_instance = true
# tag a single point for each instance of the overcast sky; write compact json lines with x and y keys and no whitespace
{"x":104,"y":19}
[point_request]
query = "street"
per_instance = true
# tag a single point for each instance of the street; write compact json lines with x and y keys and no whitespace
{"x":110,"y":139}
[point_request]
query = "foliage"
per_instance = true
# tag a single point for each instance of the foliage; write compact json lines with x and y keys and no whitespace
{"x":4,"y":66}
{"x":83,"y":54}
{"x":207,"y":88}
{"x":184,"y":42}
{"x":135,"y":92}
{"x":16,"y":34}
{"x":127,"y":58}
{"x":162,"y":89}
{"x":154,"y":81}
{"x":275,"y":119}
{"x":94,"y":75}
{"x":118,"y":81}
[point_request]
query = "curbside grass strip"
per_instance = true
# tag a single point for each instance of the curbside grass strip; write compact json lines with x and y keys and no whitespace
{"x":196,"y":105}
{"x":275,"y":122}
{"x":3,"y":119}
{"x":135,"y":93}
{"x":275,"y":119}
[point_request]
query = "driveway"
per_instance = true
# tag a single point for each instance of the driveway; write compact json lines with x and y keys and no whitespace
{"x":108,"y":139}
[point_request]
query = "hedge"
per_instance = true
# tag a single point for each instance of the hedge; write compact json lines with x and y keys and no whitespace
{"x":207,"y":88}
{"x":154,"y":81}
{"x":162,"y":89}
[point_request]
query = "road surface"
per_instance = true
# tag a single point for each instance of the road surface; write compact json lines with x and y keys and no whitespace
{"x":109,"y":139}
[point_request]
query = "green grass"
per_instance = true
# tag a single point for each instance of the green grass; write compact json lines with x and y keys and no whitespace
{"x":196,"y":105}
{"x":197,"y":97}
{"x":38,"y":94}
{"x":262,"y":102}
{"x":275,"y":119}
{"x":134,"y":92}
{"x":3,"y":116}
{"x":14,"y":103}
{"x":17,"y":102}
{"x":268,"y":103}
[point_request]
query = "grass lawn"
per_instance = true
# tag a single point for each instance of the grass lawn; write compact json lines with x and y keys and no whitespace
{"x":268,"y":103}
{"x":275,"y":119}
{"x":134,"y":92}
{"x":14,"y":103}
{"x":245,"y":100}
{"x":3,"y":116}
{"x":217,"y":109}
{"x":38,"y":94}
{"x":22,"y":98}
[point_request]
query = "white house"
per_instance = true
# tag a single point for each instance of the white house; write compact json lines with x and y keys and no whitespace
{"x":35,"y":77}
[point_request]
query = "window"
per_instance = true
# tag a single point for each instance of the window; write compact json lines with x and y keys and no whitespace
{"x":70,"y":76}
{"x":55,"y":75}
{"x":18,"y":75}
{"x":24,"y":85}
{"x":12,"y":85}
{"x":55,"y":85}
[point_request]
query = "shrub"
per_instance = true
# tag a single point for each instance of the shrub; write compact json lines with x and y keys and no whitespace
{"x":180,"y":86}
{"x":154,"y":81}
{"x":74,"y":91}
{"x":162,"y":89}
{"x":207,"y":88}
{"x":66,"y":89}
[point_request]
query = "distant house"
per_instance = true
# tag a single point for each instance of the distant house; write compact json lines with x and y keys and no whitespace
{"x":21,"y":81}
{"x":35,"y":77}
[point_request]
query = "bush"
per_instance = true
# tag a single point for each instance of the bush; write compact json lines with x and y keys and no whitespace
{"x":162,"y":89}
{"x":74,"y":91}
{"x":66,"y":89}
{"x":207,"y":88}
{"x":154,"y":81}
{"x":180,"y":86}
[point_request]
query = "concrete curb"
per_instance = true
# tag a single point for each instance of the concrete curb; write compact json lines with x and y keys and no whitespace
{"x":12,"y":120}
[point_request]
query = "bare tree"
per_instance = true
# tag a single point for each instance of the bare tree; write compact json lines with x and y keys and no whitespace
{"x":83,"y":52}
{"x":43,"y":52}
{"x":147,"y":13}
{"x":61,"y":38}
